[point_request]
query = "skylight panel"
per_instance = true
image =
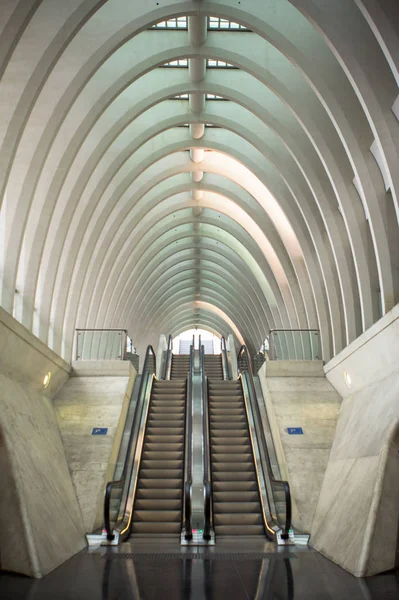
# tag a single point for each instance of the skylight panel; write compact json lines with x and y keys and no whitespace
{"x":179,"y":62}
{"x":225,"y":25}
{"x":176,"y":23}
{"x":219,"y":64}
{"x":214,"y":97}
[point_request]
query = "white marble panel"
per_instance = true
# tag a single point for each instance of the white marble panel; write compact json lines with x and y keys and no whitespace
{"x":52,"y":521}
{"x":371,"y":357}
{"x":343,"y":509}
{"x":28,"y":360}
{"x":87,"y":401}
{"x":366,"y":418}
{"x":294,"y":368}
{"x":313,"y":404}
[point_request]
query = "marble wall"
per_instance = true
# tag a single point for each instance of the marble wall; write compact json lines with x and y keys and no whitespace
{"x":40,"y":518}
{"x":97,"y":395}
{"x":357,"y":517}
{"x":297,"y":394}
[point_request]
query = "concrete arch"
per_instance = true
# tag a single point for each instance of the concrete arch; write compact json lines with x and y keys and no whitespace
{"x":321,"y":248}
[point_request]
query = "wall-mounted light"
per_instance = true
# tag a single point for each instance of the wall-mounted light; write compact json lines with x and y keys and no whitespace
{"x":46,"y":380}
{"x":348,"y":379}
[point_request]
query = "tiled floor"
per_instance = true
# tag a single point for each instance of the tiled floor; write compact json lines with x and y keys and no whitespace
{"x":230,"y":570}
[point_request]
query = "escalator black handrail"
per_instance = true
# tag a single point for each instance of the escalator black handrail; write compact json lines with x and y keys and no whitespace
{"x":186,"y":517}
{"x":208,"y":513}
{"x":168,"y":358}
{"x":149,"y":368}
{"x":244,"y":364}
{"x":224,"y":353}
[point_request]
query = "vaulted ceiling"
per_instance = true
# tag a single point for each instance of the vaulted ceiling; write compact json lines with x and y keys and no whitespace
{"x":231,"y":165}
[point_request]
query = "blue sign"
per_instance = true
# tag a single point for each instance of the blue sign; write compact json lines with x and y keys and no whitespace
{"x":99,"y":431}
{"x":295,"y":430}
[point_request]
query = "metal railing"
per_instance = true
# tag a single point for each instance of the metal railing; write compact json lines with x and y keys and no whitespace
{"x":102,"y":344}
{"x":208,"y":509}
{"x":225,"y":360}
{"x":124,"y":489}
{"x":168,"y":359}
{"x":187,"y":487}
{"x":273,"y":486}
{"x":294,"y":344}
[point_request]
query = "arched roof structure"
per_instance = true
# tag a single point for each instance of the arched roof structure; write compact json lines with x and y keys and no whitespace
{"x":221,"y":164}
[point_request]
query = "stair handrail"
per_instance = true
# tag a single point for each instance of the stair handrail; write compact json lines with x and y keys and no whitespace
{"x":168,"y":359}
{"x":208,"y":509}
{"x":245,"y":368}
{"x":225,"y":360}
{"x":187,"y":487}
{"x":148,"y":374}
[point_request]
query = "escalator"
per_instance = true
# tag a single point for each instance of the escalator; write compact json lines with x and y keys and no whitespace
{"x":159,"y":496}
{"x":247,"y":500}
{"x":213,"y":366}
{"x":236,"y":503}
{"x":180,"y":366}
{"x":150,"y":497}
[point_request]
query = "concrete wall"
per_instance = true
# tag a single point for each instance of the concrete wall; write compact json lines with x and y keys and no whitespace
{"x":297,"y":394}
{"x":97,"y":395}
{"x":40,"y":520}
{"x":357,"y":518}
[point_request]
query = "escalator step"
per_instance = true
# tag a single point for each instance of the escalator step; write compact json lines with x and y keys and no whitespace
{"x":156,"y":528}
{"x":160,"y":493}
{"x":166,"y":465}
{"x":161,"y":484}
{"x":157,"y":504}
{"x":240,"y":530}
{"x":239,"y":519}
{"x":248,"y":508}
{"x":161,"y":474}
{"x":235,"y":486}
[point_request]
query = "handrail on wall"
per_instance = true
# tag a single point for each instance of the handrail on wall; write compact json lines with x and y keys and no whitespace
{"x":244,"y":365}
{"x":149,"y":370}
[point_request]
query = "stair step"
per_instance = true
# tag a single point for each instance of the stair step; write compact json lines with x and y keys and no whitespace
{"x":230,"y":476}
{"x":163,"y":447}
{"x":157,"y":504}
{"x":159,"y":493}
{"x":248,"y":508}
{"x":156,"y":528}
{"x":169,"y":455}
{"x":228,"y":467}
{"x":235,"y":496}
{"x":240,"y":530}
{"x":171,"y":438}
{"x":161,"y":484}
{"x":226,"y":457}
{"x":238,"y":519}
{"x":161,"y":474}
{"x":235,"y":486}
{"x":166,"y":465}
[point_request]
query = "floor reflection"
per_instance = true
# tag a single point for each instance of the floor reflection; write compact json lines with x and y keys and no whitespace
{"x":195,"y":579}
{"x":217,"y":575}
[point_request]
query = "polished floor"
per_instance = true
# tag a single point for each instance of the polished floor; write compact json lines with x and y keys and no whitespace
{"x":231,"y":571}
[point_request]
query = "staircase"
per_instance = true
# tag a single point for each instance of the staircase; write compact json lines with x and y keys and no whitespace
{"x":236,"y":503}
{"x":180,"y":366}
{"x":213,"y":366}
{"x":159,"y":496}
